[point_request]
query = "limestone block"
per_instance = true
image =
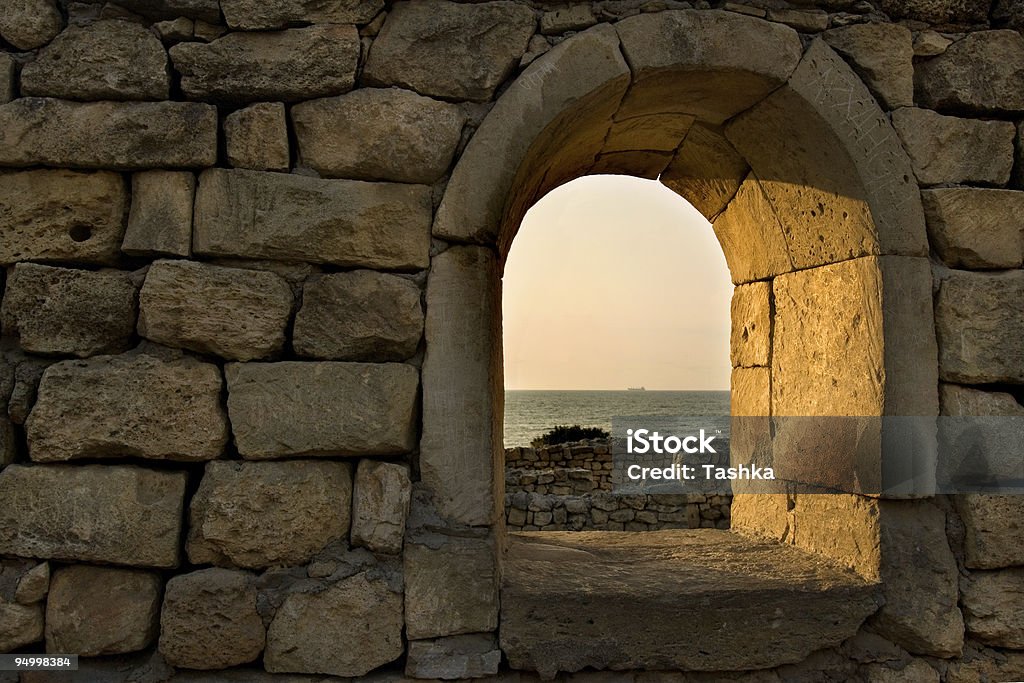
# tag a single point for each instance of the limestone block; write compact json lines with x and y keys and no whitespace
{"x":994,"y":607}
{"x":919,"y":580}
{"x":652,"y":133}
{"x":882,"y":55}
{"x":61,"y":216}
{"x":380,"y":505}
{"x":572,"y":18}
{"x":205,"y":10}
{"x":803,"y":20}
{"x":95,"y":611}
{"x":27,"y":373}
{"x":979,"y":326}
{"x":114,"y":135}
{"x":928,"y":43}
{"x":33,"y":585}
{"x":843,"y":527}
{"x":938,"y":11}
{"x":450,"y":50}
{"x":946,"y":149}
{"x":7,"y":71}
{"x":294,"y":64}
{"x":361,"y":316}
{"x":233,"y":313}
{"x":349,"y":223}
{"x":752,"y":239}
{"x":451,"y":586}
{"x":974,"y":451}
{"x":160,"y":220}
{"x":460,"y":448}
{"x":976,"y":228}
{"x":20,"y":625}
{"x":751,"y":324}
{"x":257,"y":137}
{"x":209,"y":620}
{"x":257,"y":15}
{"x":107,"y":60}
{"x":982,"y":73}
{"x":672,"y":52}
{"x":994,"y":527}
{"x":66,"y":311}
{"x":348,"y":629}
{"x":916,"y":670}
{"x":173,"y":31}
{"x":324,"y":408}
{"x":261,"y":514}
{"x":378,"y":134}
{"x":706,"y":171}
{"x":28,"y":24}
{"x":473,"y":655}
{"x":93,"y":513}
{"x":128,"y":406}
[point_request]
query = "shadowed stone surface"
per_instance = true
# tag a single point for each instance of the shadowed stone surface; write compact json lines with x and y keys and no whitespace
{"x":706,"y":171}
{"x":7,"y":70}
{"x":976,"y":228}
{"x":456,"y":657}
{"x":93,"y":513}
{"x":881,"y":54}
{"x":250,"y":214}
{"x":249,"y":15}
{"x":20,"y":625}
{"x":325,"y":408}
{"x":982,"y":73}
{"x":132,"y":405}
{"x":261,"y":514}
{"x":205,"y":10}
{"x":287,"y":65}
{"x":257,"y":137}
{"x":28,"y":24}
{"x":710,"y":580}
{"x":61,"y":216}
{"x":380,"y":505}
{"x":938,"y":11}
{"x":450,"y":50}
{"x":160,"y":220}
{"x":993,"y":528}
{"x":994,"y":607}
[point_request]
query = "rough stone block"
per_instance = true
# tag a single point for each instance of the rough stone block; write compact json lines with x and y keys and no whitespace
{"x":93,"y":611}
{"x":803,"y":20}
{"x":108,"y":60}
{"x":706,"y":171}
{"x":481,"y":45}
{"x":160,"y":220}
{"x":209,"y":620}
{"x":233,"y":313}
{"x":946,"y":149}
{"x":976,"y":228}
{"x":28,"y":24}
{"x":976,"y":450}
{"x":113,"y":135}
{"x":882,"y":55}
{"x":250,"y":214}
{"x":573,"y":18}
{"x":20,"y":625}
{"x":257,"y":137}
{"x":994,"y":607}
{"x":994,"y":527}
{"x":26,"y":581}
{"x":378,"y":134}
{"x":61,"y":216}
{"x":360,"y":316}
{"x":348,"y":629}
{"x":258,"y":15}
{"x":203,"y":10}
{"x":751,"y":324}
{"x":7,"y":71}
{"x":842,"y":527}
{"x":261,"y":514}
{"x":380,"y":505}
{"x":456,"y":657}
{"x":982,"y":73}
{"x":93,"y":513}
{"x":128,"y":406}
{"x":66,"y":311}
{"x":938,"y":11}
{"x":324,"y":408}
{"x":294,"y":64}
{"x":977,"y":317}
{"x":752,"y":257}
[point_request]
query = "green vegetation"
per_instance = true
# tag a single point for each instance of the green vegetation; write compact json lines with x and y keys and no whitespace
{"x":566,"y":434}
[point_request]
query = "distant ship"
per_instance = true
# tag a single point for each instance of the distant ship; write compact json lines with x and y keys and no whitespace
{"x":635,"y":389}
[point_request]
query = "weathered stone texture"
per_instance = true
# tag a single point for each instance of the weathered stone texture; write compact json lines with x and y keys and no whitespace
{"x":994,"y":607}
{"x":378,"y":134}
{"x":946,"y":149}
{"x":979,"y":326}
{"x":288,"y":65}
{"x":982,"y":73}
{"x":128,"y":406}
{"x":233,"y":313}
{"x":450,"y":50}
{"x":325,"y":408}
{"x":107,"y":60}
{"x":348,"y":629}
{"x":359,"y":316}
{"x":766,"y":254}
{"x":20,"y":625}
{"x":993,"y":526}
{"x":7,"y":69}
{"x":380,"y":505}
{"x":28,"y":24}
{"x":573,"y":18}
{"x":61,"y":216}
{"x":751,"y":324}
{"x":201,"y":10}
{"x":294,"y":218}
{"x":160,"y":220}
{"x":114,"y":135}
{"x":33,"y":585}
{"x":706,"y":171}
{"x":457,"y":657}
{"x":93,"y":513}
{"x":976,"y":228}
{"x":65,"y":311}
{"x":938,"y":11}
{"x":250,"y":15}
{"x":881,"y":54}
{"x":261,"y":514}
{"x":209,"y":620}
{"x":257,"y":137}
{"x":95,"y":611}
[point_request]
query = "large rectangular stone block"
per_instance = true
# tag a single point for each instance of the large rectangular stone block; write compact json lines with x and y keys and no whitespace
{"x":751,"y":337}
{"x":249,"y":15}
{"x":752,"y":239}
{"x":93,"y":513}
{"x":323,"y":408}
{"x":113,"y":135}
{"x":976,"y":228}
{"x":993,"y":530}
{"x":254,"y":214}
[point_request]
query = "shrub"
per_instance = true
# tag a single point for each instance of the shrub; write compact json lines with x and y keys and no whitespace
{"x":566,"y":434}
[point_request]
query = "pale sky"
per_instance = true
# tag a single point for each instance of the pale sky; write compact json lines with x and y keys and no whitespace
{"x":614,"y":282}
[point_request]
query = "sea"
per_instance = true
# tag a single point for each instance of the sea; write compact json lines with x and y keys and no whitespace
{"x":528,"y":414}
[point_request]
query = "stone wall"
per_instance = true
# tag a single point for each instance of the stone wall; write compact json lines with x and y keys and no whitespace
{"x":251,"y":374}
